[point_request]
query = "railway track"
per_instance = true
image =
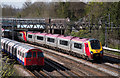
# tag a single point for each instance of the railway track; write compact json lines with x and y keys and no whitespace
{"x":75,"y":66}
{"x":58,"y":69}
{"x":108,"y":68}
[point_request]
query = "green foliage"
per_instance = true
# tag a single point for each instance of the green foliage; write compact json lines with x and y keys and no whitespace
{"x":7,"y":68}
{"x":81,"y":33}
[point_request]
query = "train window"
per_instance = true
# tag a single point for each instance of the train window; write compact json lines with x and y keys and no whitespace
{"x":9,"y":49}
{"x":63,"y":42}
{"x":18,"y":52}
{"x":51,"y":40}
{"x":6,"y":46}
{"x":40,"y":54}
{"x":34,"y":54}
{"x":95,"y":44}
{"x":29,"y":36}
{"x":78,"y":45}
{"x":15,"y":51}
{"x":39,"y":38}
{"x":23,"y":55}
{"x":29,"y":55}
{"x":12,"y":48}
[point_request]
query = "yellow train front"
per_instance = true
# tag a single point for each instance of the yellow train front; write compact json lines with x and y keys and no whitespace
{"x":95,"y":49}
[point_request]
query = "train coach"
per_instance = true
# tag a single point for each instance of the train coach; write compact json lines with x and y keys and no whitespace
{"x":28,"y":56}
{"x":83,"y":47}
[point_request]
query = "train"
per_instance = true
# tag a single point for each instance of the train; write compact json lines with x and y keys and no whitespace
{"x":28,"y":56}
{"x":90,"y":49}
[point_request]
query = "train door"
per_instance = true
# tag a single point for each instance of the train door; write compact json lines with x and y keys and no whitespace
{"x":34,"y":58}
{"x":87,"y":49}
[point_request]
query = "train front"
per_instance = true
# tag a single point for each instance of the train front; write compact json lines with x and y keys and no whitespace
{"x":34,"y":59}
{"x":96,"y":51}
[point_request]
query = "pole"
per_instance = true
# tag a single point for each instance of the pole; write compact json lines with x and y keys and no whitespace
{"x":105,"y":34}
{"x":13,"y":29}
{"x":1,"y":65}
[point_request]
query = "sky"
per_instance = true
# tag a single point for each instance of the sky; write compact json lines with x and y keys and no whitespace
{"x":19,"y":3}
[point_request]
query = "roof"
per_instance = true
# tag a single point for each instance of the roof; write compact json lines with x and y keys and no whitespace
{"x":53,"y":35}
{"x":65,"y":37}
{"x":31,"y":33}
{"x":41,"y":33}
{"x":21,"y":46}
{"x":80,"y":39}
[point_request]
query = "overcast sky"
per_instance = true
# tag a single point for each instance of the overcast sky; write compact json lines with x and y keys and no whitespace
{"x":19,"y":3}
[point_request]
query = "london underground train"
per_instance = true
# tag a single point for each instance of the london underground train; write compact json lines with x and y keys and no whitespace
{"x":28,"y":56}
{"x":84,"y":47}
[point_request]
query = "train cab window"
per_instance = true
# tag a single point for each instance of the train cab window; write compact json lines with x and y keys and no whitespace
{"x":40,"y":54}
{"x":29,"y":55}
{"x":63,"y":42}
{"x":39,"y":38}
{"x":20,"y":34}
{"x":29,"y":36}
{"x":34,"y":54}
{"x":51,"y":40}
{"x":86,"y":45}
{"x":95,"y":44}
{"x":78,"y":45}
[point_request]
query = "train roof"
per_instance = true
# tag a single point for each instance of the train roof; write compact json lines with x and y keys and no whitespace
{"x":31,"y":33}
{"x":78,"y":39}
{"x":65,"y":37}
{"x":53,"y":35}
{"x":23,"y":47}
{"x":41,"y":33}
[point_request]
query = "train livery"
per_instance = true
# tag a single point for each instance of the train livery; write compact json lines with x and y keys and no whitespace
{"x":28,"y":56}
{"x":83,"y":47}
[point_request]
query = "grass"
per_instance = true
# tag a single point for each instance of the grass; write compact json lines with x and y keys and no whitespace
{"x":115,"y":53}
{"x":7,"y":67}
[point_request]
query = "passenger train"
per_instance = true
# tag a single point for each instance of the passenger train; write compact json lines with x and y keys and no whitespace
{"x":28,"y":56}
{"x":84,"y":47}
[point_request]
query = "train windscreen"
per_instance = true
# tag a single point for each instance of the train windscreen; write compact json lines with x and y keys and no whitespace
{"x":40,"y":54}
{"x":29,"y":55}
{"x":95,"y":44}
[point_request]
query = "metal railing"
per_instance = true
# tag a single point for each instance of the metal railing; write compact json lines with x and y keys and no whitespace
{"x":110,"y":49}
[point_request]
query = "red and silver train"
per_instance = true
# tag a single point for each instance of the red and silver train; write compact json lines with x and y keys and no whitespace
{"x":28,"y":56}
{"x":84,"y":47}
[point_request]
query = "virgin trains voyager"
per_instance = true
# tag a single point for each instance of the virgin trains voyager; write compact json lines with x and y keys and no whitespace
{"x":28,"y":56}
{"x":87,"y":48}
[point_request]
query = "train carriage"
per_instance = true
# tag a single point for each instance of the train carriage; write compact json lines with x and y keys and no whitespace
{"x":30,"y":37}
{"x":88,"y":48}
{"x":78,"y":45}
{"x":28,"y":56}
{"x":40,"y":38}
{"x":64,"y":42}
{"x":51,"y":40}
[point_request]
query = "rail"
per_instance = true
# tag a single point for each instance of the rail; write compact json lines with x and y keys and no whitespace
{"x":110,"y":49}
